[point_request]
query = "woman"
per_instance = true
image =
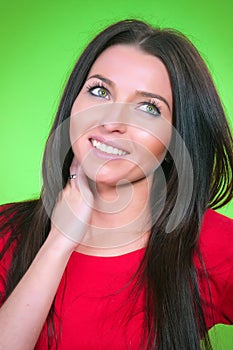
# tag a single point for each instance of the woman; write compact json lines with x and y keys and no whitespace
{"x":121,"y":250}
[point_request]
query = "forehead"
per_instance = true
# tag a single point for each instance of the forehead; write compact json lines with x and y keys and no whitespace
{"x":132,"y":68}
{"x":117,"y":56}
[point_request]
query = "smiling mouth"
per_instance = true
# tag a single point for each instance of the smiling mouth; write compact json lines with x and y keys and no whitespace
{"x":107,"y":149}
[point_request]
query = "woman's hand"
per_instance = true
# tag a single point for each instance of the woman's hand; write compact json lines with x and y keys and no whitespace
{"x":24,"y":312}
{"x":72,"y":211}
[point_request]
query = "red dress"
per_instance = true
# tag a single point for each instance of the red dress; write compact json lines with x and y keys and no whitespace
{"x":96,"y":304}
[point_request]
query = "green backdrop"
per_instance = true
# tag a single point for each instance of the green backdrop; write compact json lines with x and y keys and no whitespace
{"x":39,"y":44}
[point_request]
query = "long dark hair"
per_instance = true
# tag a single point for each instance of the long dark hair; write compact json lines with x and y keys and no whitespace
{"x":173,"y":318}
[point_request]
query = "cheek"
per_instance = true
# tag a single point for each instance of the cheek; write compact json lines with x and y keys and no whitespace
{"x":80,"y":149}
{"x":79,"y":103}
{"x":158,"y":148}
{"x":81,"y":123}
{"x":151,"y":155}
{"x":75,"y":107}
{"x":151,"y":149}
{"x":84,"y":102}
{"x":154,"y":145}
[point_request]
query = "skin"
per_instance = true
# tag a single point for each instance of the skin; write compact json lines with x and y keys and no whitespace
{"x":117,"y":113}
{"x":147,"y":73}
{"x":25,"y":311}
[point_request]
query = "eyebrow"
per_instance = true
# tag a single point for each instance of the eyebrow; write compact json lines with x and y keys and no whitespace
{"x":150,"y":94}
{"x":139,"y":92}
{"x":105,"y":80}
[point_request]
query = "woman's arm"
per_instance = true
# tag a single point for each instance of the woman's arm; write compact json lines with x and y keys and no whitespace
{"x":24,"y":312}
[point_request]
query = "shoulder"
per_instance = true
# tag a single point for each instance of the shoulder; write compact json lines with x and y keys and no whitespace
{"x":13,"y":219}
{"x":216,"y":238}
{"x":8,"y":219}
{"x":15,"y":214}
{"x":214,"y":219}
{"x":216,"y":244}
{"x":216,"y":247}
{"x":216,"y":230}
{"x":7,"y":244}
{"x":7,"y":212}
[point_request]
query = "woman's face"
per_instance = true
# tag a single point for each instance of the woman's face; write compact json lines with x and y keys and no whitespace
{"x":121,"y":121}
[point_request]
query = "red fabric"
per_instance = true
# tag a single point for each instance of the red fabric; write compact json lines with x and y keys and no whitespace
{"x":99,"y":308}
{"x":6,"y":259}
{"x":216,"y":245}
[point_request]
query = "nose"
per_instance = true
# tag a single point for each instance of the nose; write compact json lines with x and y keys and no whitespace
{"x":115,"y":118}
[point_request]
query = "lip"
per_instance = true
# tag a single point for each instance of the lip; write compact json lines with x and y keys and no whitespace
{"x":108,"y":143}
{"x":105,"y":155}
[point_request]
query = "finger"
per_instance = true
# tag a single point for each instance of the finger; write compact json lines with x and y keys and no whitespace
{"x":74,"y":172}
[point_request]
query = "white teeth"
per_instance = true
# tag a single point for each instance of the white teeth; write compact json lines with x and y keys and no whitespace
{"x":102,"y":147}
{"x":107,"y":149}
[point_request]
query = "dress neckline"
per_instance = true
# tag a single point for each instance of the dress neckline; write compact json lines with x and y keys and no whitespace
{"x":126,"y":255}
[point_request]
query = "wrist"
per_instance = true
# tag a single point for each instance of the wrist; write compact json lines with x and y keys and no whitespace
{"x":59,"y":242}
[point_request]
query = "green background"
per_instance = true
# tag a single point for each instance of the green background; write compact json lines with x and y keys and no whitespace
{"x":39,"y":45}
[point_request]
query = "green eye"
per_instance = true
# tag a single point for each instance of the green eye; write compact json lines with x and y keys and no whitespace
{"x":150,"y":109}
{"x":99,"y":91}
{"x":102,"y":92}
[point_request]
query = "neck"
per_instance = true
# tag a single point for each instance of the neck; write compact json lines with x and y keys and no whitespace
{"x":120,"y":220}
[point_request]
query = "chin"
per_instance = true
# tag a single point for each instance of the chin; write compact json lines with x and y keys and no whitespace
{"x":108,"y":180}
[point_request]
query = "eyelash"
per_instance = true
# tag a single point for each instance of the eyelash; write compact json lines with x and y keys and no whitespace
{"x":100,"y":84}
{"x":95,"y":85}
{"x":153,"y":103}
